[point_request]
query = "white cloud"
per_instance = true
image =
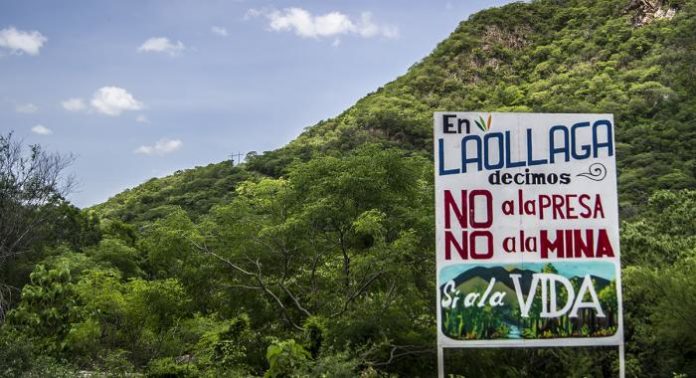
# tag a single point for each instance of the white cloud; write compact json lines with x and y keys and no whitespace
{"x":162,"y":44}
{"x":109,"y":100}
{"x":26,"y":108}
{"x":41,"y":130}
{"x":251,"y":13}
{"x":142,"y":119}
{"x":367,"y":28}
{"x":331,"y":24}
{"x":161,"y":147}
{"x":219,"y":30}
{"x":112,"y":101}
{"x":305,"y":25}
{"x":74,"y":104}
{"x":18,"y":41}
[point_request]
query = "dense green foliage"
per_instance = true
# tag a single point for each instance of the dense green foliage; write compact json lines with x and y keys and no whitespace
{"x":195,"y":190}
{"x":317,"y":259}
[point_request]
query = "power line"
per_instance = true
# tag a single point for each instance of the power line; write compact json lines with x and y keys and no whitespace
{"x":238,"y":157}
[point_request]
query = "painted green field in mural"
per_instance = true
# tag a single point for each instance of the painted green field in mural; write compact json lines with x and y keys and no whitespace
{"x":528,"y":301}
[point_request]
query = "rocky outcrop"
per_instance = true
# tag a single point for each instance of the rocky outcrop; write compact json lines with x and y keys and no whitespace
{"x":647,"y":11}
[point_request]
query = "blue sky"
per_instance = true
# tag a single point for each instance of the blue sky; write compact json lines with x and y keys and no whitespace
{"x":139,"y":89}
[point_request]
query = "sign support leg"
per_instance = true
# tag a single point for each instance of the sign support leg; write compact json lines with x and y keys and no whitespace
{"x":622,"y":361}
{"x":441,"y":362}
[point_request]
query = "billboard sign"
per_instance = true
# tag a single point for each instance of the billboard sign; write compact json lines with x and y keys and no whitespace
{"x":527,"y":230}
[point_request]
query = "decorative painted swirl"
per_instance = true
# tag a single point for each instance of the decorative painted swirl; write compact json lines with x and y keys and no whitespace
{"x":596,"y":172}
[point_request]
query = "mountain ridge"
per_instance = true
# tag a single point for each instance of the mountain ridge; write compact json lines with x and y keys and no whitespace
{"x":543,"y":56}
{"x":502,"y":275}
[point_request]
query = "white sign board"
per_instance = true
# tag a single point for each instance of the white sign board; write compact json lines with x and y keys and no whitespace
{"x":527,"y":230}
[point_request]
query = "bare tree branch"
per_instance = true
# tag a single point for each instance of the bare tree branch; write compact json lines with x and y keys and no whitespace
{"x":257,"y":277}
{"x":294,"y":299}
{"x":398,"y":351}
{"x":31,"y":181}
{"x":358,"y":292}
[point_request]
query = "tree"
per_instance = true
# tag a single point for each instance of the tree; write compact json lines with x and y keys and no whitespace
{"x":32,"y":181}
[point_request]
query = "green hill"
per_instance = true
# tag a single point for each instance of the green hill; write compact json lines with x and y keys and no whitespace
{"x":633,"y":59}
{"x":195,"y":190}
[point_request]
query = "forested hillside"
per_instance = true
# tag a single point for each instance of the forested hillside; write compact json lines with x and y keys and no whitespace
{"x":317,"y":259}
